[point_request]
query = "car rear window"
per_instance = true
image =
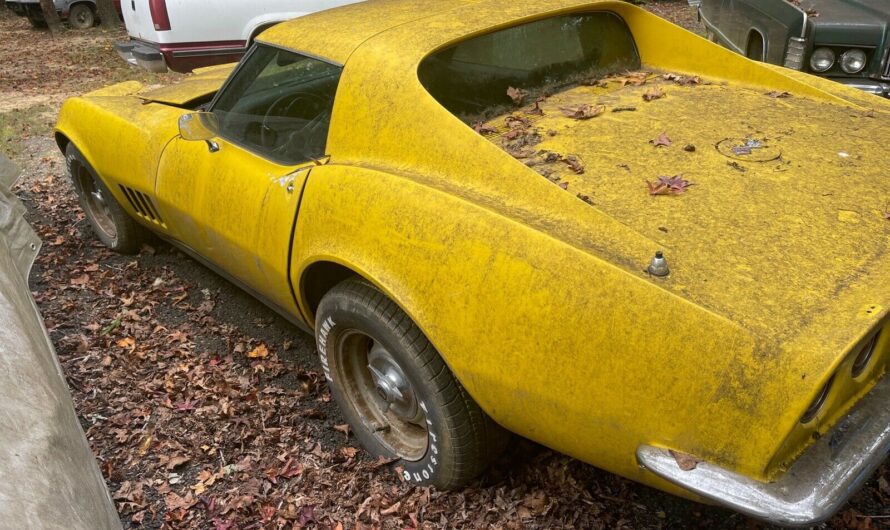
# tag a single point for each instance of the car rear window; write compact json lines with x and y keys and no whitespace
{"x":471,"y":78}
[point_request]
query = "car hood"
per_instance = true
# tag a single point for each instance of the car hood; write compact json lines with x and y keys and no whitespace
{"x":856,"y":22}
{"x":787,"y":205}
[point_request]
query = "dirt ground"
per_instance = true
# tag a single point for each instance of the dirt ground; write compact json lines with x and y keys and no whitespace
{"x":207,"y":410}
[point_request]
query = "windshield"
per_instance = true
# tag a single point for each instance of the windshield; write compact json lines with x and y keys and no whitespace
{"x":472,"y":78}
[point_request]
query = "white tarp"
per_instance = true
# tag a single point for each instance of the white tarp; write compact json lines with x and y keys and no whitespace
{"x":48,"y":476}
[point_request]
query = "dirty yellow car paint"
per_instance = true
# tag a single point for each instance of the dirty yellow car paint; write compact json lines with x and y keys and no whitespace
{"x":539,"y":302}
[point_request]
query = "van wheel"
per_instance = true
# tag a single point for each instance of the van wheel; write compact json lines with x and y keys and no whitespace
{"x":396,"y":392}
{"x":81,"y":16}
{"x":111,"y":224}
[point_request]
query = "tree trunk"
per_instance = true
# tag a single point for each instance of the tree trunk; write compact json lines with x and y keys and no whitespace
{"x":108,"y":14}
{"x":51,"y":16}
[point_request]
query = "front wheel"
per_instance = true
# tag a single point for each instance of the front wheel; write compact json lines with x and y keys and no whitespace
{"x":111,"y":224}
{"x":81,"y":16}
{"x":396,"y":392}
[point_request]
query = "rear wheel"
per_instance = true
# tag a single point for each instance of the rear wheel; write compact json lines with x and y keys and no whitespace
{"x":81,"y":16}
{"x":111,"y":224}
{"x":396,"y":392}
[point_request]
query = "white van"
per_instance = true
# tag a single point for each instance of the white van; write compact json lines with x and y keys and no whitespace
{"x":186,"y":34}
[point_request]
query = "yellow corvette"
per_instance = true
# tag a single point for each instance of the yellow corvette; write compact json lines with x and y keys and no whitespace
{"x":567,"y":219}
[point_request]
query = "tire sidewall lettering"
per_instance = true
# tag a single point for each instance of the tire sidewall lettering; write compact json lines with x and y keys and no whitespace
{"x":424,"y":470}
{"x":323,"y":334}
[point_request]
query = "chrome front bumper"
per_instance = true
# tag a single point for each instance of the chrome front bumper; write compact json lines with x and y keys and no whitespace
{"x":868,"y":85}
{"x":814,"y":487}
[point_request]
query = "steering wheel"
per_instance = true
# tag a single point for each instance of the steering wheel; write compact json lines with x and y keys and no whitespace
{"x":301,"y":97}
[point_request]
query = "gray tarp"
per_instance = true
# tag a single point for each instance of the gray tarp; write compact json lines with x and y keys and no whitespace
{"x":48,"y":476}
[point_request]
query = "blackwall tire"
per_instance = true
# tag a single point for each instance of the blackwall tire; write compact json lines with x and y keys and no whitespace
{"x":81,"y":16}
{"x":110,"y":223}
{"x":375,"y":358}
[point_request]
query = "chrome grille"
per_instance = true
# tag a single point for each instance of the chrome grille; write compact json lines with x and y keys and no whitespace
{"x":886,"y":73}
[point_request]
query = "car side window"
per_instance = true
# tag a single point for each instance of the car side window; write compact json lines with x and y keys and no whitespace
{"x":278,"y":105}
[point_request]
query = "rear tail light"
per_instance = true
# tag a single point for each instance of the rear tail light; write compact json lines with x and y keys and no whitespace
{"x":813,"y":411}
{"x":159,"y":16}
{"x":864,"y":356}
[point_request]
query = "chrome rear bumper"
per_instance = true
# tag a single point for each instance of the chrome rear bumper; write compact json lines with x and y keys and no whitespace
{"x":139,"y":54}
{"x":814,"y":487}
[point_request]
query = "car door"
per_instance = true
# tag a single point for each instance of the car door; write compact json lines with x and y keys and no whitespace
{"x":233,"y":199}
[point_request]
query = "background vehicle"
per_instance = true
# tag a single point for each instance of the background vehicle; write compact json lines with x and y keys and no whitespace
{"x":80,"y":14}
{"x":185,"y":34}
{"x":349,"y":173}
{"x":50,"y":477}
{"x":847,"y":41}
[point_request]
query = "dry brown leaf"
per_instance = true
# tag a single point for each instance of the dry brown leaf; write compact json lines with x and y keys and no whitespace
{"x":81,"y":280}
{"x":516,"y":95}
{"x":653,"y":94}
{"x":777,"y":94}
{"x":661,"y":141}
{"x":260,"y":352}
{"x":686,"y":461}
{"x":583,"y":112}
{"x":574,"y":164}
{"x":349,"y":452}
{"x":668,"y":185}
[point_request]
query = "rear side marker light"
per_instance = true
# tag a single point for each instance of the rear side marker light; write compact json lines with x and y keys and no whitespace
{"x":811,"y":413}
{"x":865,"y":355}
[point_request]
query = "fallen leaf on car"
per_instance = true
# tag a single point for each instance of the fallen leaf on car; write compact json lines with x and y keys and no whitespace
{"x":686,"y":461}
{"x":583,"y":112}
{"x":661,"y":141}
{"x":778,"y":95}
{"x":653,"y":94}
{"x":483,"y":129}
{"x":260,"y":352}
{"x":574,"y":164}
{"x":668,"y":185}
{"x":537,"y":110}
{"x":683,"y":80}
{"x":516,"y":94}
{"x":585,"y":198}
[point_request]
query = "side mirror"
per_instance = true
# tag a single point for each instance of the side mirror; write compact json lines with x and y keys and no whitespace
{"x":198,"y":126}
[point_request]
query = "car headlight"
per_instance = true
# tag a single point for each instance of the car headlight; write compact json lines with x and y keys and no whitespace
{"x":853,"y":61}
{"x":822,"y":59}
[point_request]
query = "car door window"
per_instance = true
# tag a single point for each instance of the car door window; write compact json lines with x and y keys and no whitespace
{"x":278,"y":104}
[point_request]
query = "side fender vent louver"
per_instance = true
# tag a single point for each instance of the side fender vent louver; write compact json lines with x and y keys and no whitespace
{"x":143,"y":205}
